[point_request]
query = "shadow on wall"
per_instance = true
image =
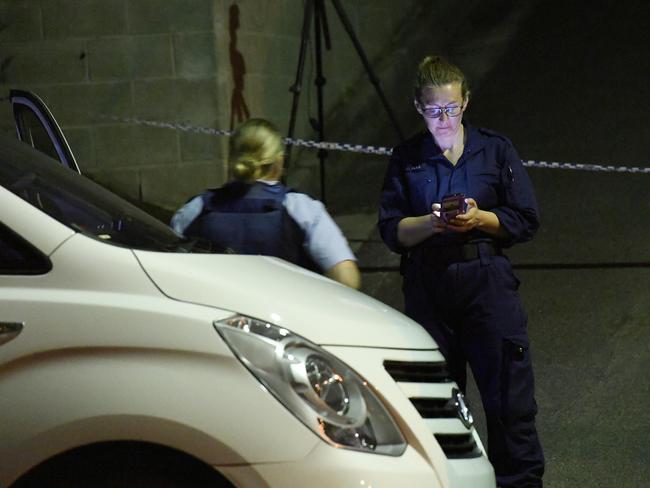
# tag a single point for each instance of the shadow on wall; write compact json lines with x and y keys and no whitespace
{"x":238,"y":108}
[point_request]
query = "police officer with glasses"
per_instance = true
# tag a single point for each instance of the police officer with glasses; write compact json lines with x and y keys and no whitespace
{"x":454,"y":196}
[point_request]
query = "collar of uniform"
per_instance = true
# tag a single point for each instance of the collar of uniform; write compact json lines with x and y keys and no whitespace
{"x":268,"y":182}
{"x":474,"y":141}
{"x":430,"y":150}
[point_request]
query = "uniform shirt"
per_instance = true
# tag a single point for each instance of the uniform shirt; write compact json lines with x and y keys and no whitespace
{"x":324,"y":241}
{"x":489,"y":171}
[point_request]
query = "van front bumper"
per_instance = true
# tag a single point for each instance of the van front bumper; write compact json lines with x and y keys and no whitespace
{"x":327,"y":467}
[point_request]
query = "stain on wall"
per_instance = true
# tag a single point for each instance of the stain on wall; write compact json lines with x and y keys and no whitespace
{"x":238,"y":108}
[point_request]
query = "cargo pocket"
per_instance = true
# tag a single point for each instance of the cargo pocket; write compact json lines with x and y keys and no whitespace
{"x":517,"y":381}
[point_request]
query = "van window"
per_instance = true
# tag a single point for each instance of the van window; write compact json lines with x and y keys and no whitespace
{"x":18,"y":257}
{"x":83,"y":205}
{"x":34,"y":132}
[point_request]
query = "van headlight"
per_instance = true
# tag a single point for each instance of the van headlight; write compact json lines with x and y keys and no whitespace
{"x":318,"y":388}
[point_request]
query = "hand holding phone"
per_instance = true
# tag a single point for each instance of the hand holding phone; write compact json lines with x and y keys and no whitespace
{"x":452,"y":205}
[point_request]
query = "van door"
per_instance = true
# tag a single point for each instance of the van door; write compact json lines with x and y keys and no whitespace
{"x":37,"y":127}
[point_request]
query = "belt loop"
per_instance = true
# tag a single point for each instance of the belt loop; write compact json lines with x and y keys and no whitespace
{"x":484,"y":253}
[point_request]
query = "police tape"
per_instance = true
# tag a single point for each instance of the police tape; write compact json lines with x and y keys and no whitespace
{"x":362,"y":149}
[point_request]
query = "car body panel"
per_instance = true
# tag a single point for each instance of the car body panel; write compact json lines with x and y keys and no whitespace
{"x":284,"y":294}
{"x":328,"y":467}
{"x":103,"y":355}
{"x":208,"y":406}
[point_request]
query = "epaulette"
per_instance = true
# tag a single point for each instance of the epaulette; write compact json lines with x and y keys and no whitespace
{"x":410,"y":149}
{"x":411,"y":141}
{"x":491,"y":133}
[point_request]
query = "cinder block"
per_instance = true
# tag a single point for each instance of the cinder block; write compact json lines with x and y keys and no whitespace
{"x":83,"y":18}
{"x":407,"y":11}
{"x":84,"y":104}
{"x":133,"y":146}
{"x":270,"y":98}
{"x":278,"y":18}
{"x":155,"y":99}
{"x":375,"y":31}
{"x":43,"y":62}
{"x":130,"y":57}
{"x":195,"y":54}
{"x":177,"y":100}
{"x":266,"y":54}
{"x":171,"y":186}
{"x":383,"y":4}
{"x":197,"y":101}
{"x":7,"y":125}
{"x":8,"y":130}
{"x":20,"y":21}
{"x":202,"y":147}
{"x":277,"y":102}
{"x":6,"y":117}
{"x":341,"y":63}
{"x":337,"y":29}
{"x":293,"y":16}
{"x":159,"y":16}
{"x":81,"y":144}
{"x":223,"y":93}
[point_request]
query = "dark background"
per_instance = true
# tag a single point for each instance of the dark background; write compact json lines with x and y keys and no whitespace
{"x":570,"y":85}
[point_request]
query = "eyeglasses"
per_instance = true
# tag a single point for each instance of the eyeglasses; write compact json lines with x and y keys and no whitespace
{"x":436,"y":112}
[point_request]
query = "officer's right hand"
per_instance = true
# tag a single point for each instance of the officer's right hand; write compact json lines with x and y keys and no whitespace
{"x":438,"y":224}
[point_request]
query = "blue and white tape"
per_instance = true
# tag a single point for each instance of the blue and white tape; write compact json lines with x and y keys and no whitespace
{"x":378,"y":150}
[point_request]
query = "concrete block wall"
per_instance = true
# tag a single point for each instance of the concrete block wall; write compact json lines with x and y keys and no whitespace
{"x":197,"y":62}
{"x":151,"y":59}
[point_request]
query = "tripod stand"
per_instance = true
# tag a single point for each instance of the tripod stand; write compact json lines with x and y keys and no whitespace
{"x":316,"y":9}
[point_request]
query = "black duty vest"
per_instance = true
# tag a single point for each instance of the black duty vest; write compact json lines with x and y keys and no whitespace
{"x":251,"y":219}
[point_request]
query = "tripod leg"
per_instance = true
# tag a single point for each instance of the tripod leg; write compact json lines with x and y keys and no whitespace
{"x":320,"y":21}
{"x":297,"y":85}
{"x":371,"y":74}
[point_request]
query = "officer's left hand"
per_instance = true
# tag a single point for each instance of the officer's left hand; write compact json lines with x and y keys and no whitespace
{"x":467,"y":221}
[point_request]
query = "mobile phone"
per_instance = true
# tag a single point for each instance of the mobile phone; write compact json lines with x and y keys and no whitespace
{"x":452,"y":205}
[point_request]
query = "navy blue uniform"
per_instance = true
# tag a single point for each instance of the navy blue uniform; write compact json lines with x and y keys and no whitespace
{"x":251,"y":219}
{"x":265,"y":217}
{"x":462,"y":289}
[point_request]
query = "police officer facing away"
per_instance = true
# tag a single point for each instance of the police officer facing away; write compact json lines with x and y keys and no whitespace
{"x":456,"y":281}
{"x":256,"y":214}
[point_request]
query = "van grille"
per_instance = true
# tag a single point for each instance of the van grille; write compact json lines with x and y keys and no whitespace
{"x":458,"y":446}
{"x":420,"y":372}
{"x":431,"y":408}
{"x":455,"y":445}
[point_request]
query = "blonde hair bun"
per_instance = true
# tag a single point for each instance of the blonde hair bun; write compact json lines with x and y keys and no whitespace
{"x":244,"y":169}
{"x":254,"y":146}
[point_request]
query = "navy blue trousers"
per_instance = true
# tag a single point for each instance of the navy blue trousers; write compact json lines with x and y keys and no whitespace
{"x":473,"y":311}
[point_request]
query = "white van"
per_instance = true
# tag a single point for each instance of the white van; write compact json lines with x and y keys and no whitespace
{"x":130,"y":356}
